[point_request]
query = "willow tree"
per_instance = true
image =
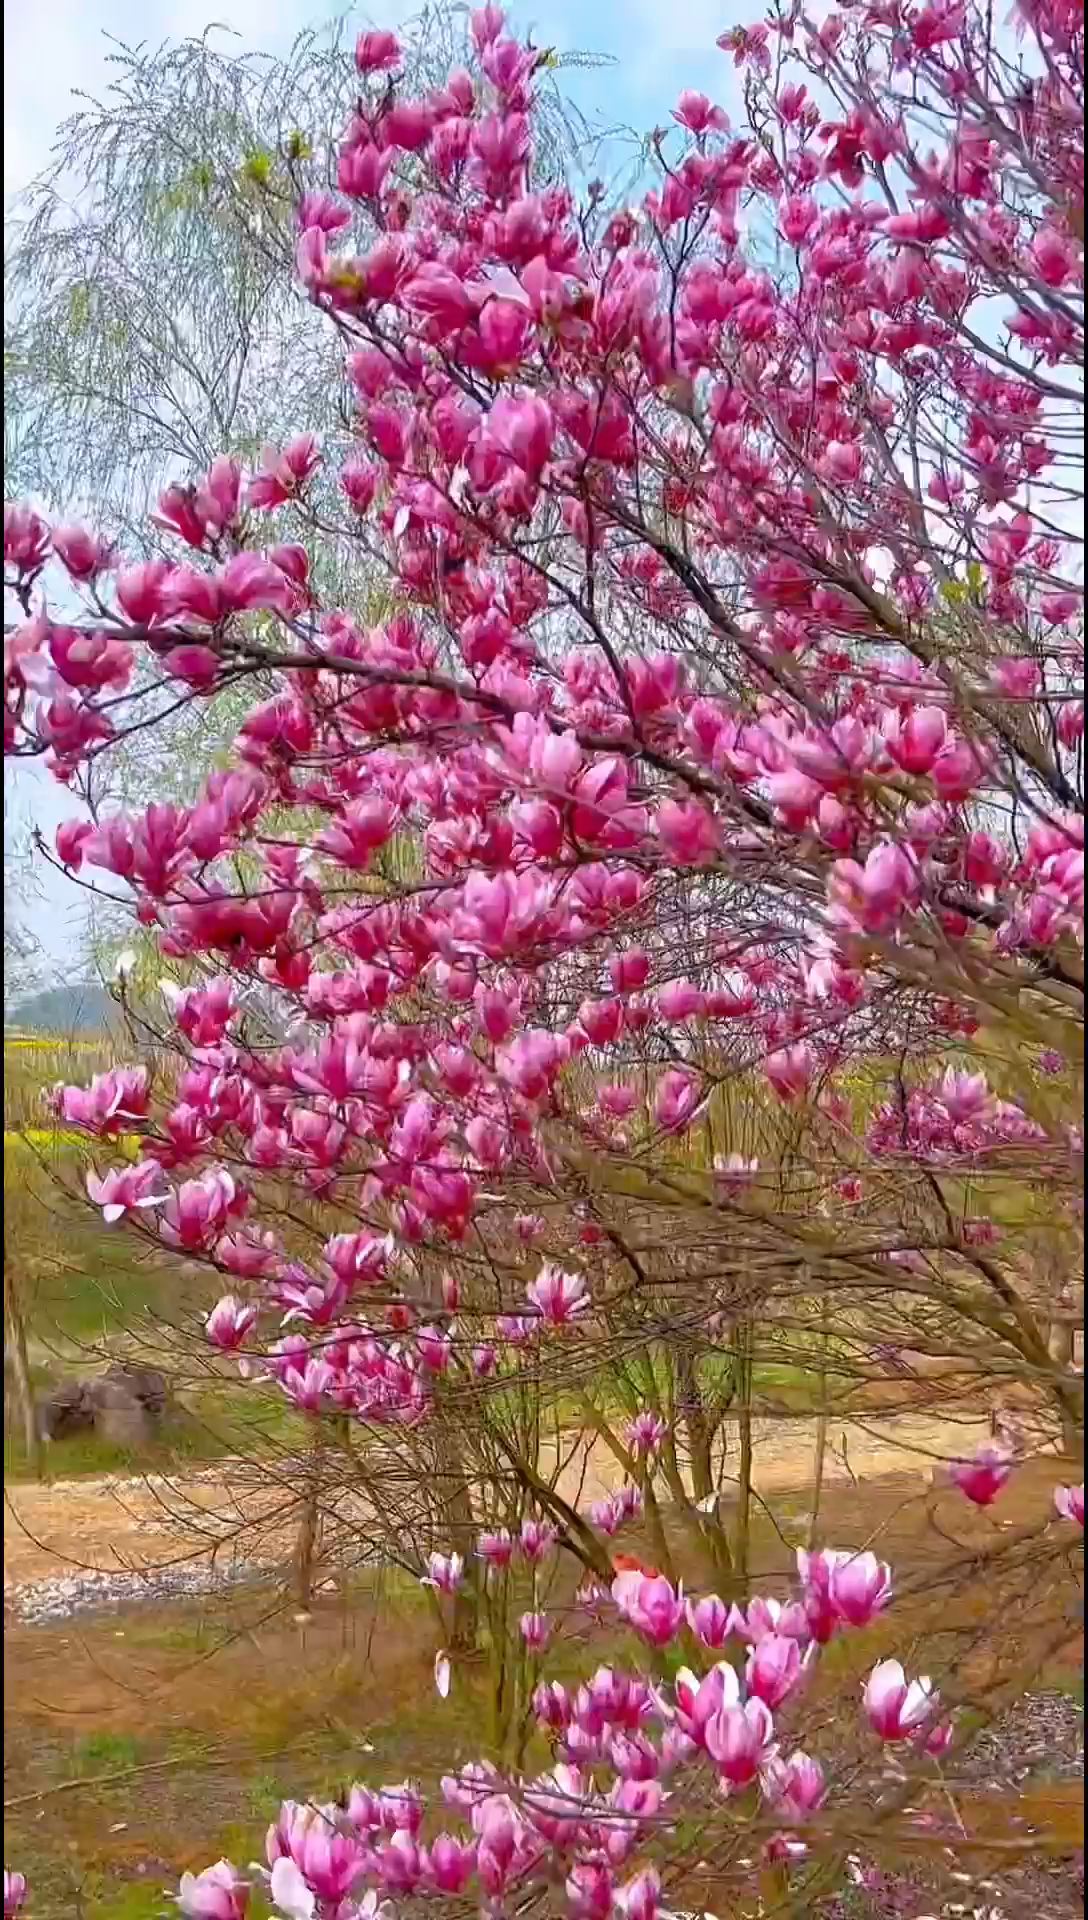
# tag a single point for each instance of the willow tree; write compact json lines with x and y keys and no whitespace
{"x":147,"y":327}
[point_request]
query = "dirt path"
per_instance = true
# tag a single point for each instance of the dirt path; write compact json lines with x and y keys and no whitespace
{"x":114,"y":1523}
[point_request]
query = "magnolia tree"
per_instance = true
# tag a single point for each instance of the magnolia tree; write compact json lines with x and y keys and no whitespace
{"x":727,"y":731}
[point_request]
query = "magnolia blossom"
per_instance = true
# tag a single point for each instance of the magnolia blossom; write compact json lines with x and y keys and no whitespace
{"x":740,"y":1741}
{"x":219,"y":1893}
{"x":982,"y":1478}
{"x":711,"y":1620}
{"x":444,"y":1572}
{"x":1069,"y":1503}
{"x":796,"y":1786}
{"x":651,"y":1605}
{"x":897,"y":1708}
{"x":497,"y":1549}
{"x":537,"y":1538}
{"x":536,"y":1630}
{"x":557,"y":1296}
{"x":127,"y":1189}
{"x":775,"y":1666}
{"x":14,"y":1892}
{"x":645,"y":1434}
{"x":859,"y":1587}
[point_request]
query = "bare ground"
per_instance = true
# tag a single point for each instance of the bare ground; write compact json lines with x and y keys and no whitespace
{"x":153,"y":1521}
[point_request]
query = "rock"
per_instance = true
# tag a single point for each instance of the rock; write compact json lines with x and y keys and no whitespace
{"x":119,"y":1415}
{"x":67,"y":1408}
{"x":45,"y":1602}
{"x":124,"y":1405}
{"x":143,"y":1384}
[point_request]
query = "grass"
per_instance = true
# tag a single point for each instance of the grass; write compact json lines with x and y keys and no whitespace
{"x":206,"y":1426}
{"x":81,"y":1456}
{"x":95,"y":1753}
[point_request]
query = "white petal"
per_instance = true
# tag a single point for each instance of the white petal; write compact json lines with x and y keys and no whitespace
{"x":113,"y":1211}
{"x":442,"y":1674}
{"x":290,"y":1892}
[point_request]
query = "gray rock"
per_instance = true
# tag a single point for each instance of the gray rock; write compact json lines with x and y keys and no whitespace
{"x":144,"y":1384}
{"x":67,"y":1408}
{"x":125,"y":1405}
{"x":120,"y":1417}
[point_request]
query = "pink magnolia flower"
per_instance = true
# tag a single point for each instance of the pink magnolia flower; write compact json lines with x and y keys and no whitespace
{"x":689,"y":833}
{"x":219,"y":1893}
{"x":535,"y":1629}
{"x":676,"y":1099}
{"x":327,"y":1852}
{"x":195,"y":1213}
{"x":14,"y":1892}
{"x":695,"y":112}
{"x":795,"y":1787}
{"x":629,"y":1502}
{"x":435,"y":1347}
{"x":982,"y":1478}
{"x":740,"y":1741}
{"x":875,"y":896}
{"x":937,"y":1740}
{"x":111,"y":1104}
{"x":606,"y":1516}
{"x":537,"y":1539}
{"x":790,"y":1070}
{"x":589,"y":1890}
{"x":377,"y":52}
{"x":651,"y":1605}
{"x":775,"y":1665}
{"x":630,"y":970}
{"x":523,"y":427}
{"x":860,"y":1587}
{"x":552,"y":1705}
{"x":228,"y":1323}
{"x":26,"y":540}
{"x":896,"y":1707}
{"x":280,"y":475}
{"x":916,"y":739}
{"x":965,"y":1096}
{"x":645,"y":1434}
{"x":1069,"y":1503}
{"x":711,"y":1620}
{"x":83,"y":553}
{"x":126,"y":1189}
{"x":444,"y":1572}
{"x":640,"y":1898}
{"x":448,"y":1863}
{"x":821,"y":1614}
{"x":557,"y":1296}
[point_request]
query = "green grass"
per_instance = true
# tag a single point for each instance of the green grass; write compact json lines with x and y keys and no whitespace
{"x":95,"y":1753}
{"x":83,"y":1456}
{"x":206,"y":1425}
{"x":135,"y":1902}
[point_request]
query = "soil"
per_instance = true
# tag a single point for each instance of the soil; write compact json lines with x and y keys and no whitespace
{"x":121,"y":1523}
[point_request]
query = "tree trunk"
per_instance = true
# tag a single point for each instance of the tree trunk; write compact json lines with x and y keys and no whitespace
{"x":304,"y":1563}
{"x":820,"y":1451}
{"x":742,"y":1540}
{"x":16,"y":1342}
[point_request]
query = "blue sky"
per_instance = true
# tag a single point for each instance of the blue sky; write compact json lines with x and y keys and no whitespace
{"x":60,"y":46}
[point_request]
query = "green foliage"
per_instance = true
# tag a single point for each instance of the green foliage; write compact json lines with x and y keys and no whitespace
{"x":96,"y":1753}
